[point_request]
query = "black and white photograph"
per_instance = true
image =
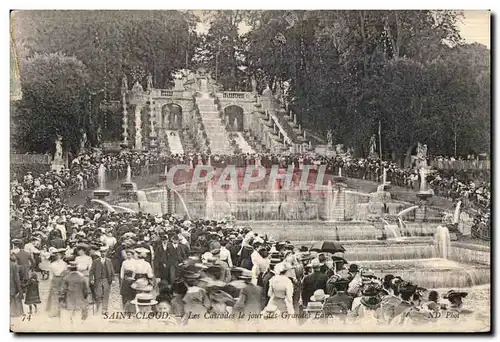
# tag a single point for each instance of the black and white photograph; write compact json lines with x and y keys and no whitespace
{"x":180,"y":171}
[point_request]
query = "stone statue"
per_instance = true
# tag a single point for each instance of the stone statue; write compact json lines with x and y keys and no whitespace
{"x":350,"y":152}
{"x":99,"y":136}
{"x":137,"y":88}
{"x":83,"y":139}
{"x":58,"y":155}
{"x":149,"y":82}
{"x":124,"y":82}
{"x":329,"y":137}
{"x":278,"y":91}
{"x":422,"y":151}
{"x":58,"y":161}
{"x":373,"y":145}
{"x":254,"y":84}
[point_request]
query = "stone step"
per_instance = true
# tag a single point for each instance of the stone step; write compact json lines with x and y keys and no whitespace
{"x":205,"y":101}
{"x":208,"y":108}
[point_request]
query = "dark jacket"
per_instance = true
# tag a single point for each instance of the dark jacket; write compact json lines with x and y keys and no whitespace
{"x":341,"y":302}
{"x":74,"y":291}
{"x":311,"y":283}
{"x":25,"y":259}
{"x":15,"y":282}
{"x":234,"y":249}
{"x":160,"y":262}
{"x":96,"y":270}
{"x":165,"y":258}
{"x":57,"y":243}
{"x":265,"y":285}
{"x":250,"y":300}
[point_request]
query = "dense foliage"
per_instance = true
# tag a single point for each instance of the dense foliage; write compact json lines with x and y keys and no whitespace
{"x":343,"y":70}
{"x":54,"y":103}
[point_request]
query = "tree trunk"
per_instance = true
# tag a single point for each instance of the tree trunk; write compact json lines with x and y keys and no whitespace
{"x":363,"y":36}
{"x":407,"y":159}
{"x":397,"y":46}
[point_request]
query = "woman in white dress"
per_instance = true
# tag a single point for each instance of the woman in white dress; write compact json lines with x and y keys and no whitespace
{"x":142,"y":268}
{"x":83,"y":260}
{"x":57,"y":270}
{"x":127,"y":274}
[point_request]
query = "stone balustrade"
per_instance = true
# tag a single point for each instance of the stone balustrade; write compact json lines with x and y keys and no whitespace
{"x":241,"y":95}
{"x":165,"y":93}
{"x":461,"y":164}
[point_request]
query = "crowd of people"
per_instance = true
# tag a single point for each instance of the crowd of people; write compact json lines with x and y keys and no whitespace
{"x":199,"y":267}
{"x":83,"y":171}
{"x":187,"y":267}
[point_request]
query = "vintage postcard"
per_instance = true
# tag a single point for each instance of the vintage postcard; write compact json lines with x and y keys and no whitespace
{"x":250,"y":171}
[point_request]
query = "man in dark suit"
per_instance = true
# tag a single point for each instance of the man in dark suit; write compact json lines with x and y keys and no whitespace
{"x":176,"y":253}
{"x":56,"y":240}
{"x":160,"y":260}
{"x":73,"y":294}
{"x":24,"y":260}
{"x":101,"y":277}
{"x":16,"y":292}
{"x":313,"y":282}
{"x":340,"y":303}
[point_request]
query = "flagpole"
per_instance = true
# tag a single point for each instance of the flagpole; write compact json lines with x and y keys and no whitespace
{"x":380,"y":138}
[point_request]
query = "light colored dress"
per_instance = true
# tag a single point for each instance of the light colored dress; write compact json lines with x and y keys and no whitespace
{"x":57,"y":270}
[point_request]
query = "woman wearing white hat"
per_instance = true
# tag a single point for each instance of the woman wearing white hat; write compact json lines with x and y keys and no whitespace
{"x":127,"y":276}
{"x":281,"y":290}
{"x":142,"y":268}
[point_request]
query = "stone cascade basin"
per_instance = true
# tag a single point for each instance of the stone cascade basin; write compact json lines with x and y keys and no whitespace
{"x":256,"y":211}
{"x":323,"y":230}
{"x":433,"y":272}
{"x":389,"y":251}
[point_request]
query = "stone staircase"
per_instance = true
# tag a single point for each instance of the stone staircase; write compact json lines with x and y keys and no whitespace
{"x":188,"y":144}
{"x":174,"y":142}
{"x":254,"y":142}
{"x":338,"y":211}
{"x":216,"y":133}
{"x":242,"y":143}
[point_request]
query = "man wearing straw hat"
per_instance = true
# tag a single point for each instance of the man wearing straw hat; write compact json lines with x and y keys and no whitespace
{"x":312,"y":282}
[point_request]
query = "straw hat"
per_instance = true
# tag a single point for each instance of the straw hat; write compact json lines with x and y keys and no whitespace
{"x":304,"y":256}
{"x":213,"y":283}
{"x":141,"y":284}
{"x":208,"y":257}
{"x":222,"y":297}
{"x":144,"y":299}
{"x":83,"y":246}
{"x":314,"y":307}
{"x":246,"y":274}
{"x":141,"y":250}
{"x":318,"y":296}
{"x":270,"y":308}
{"x":454,"y":293}
{"x":314,"y":263}
{"x":59,"y":250}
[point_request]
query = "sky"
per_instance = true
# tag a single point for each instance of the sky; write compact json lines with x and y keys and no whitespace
{"x":474,"y":27}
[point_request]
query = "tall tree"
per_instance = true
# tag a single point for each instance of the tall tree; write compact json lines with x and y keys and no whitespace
{"x":55,"y":96}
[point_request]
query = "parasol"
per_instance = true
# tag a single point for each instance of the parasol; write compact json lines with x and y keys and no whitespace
{"x":328,"y":247}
